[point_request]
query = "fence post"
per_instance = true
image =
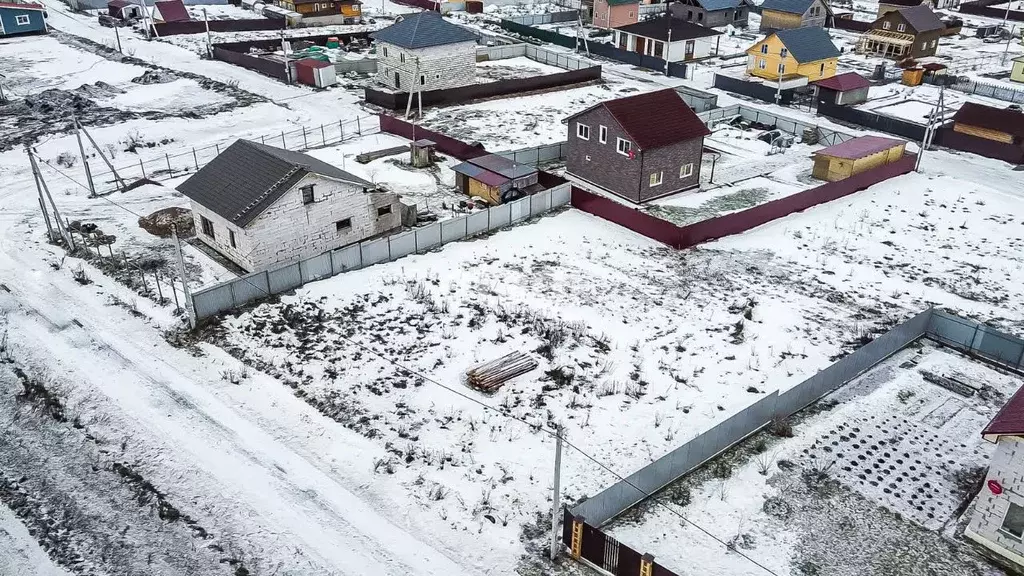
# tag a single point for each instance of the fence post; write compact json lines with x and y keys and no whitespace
{"x":262,"y":140}
{"x":174,"y":292}
{"x":145,"y":286}
{"x":305,"y":143}
{"x":160,"y":292}
{"x":283,"y":144}
{"x":359,"y":129}
{"x":323,"y":134}
{"x":143,"y":168}
{"x":168,"y":158}
{"x":217,"y":148}
{"x":195,"y":158}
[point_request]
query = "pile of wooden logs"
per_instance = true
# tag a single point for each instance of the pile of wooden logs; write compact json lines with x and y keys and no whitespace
{"x":489,"y":376}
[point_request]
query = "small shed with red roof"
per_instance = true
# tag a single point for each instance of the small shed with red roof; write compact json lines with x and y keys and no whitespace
{"x":856,"y":155}
{"x":314,"y":72}
{"x":124,"y":9}
{"x":639,"y":147}
{"x":17,"y":18}
{"x":843,"y":89}
{"x":172,"y":11}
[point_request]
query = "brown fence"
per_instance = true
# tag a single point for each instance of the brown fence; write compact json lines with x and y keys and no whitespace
{"x":398,"y":100}
{"x":1012,"y":153}
{"x":237,"y":53}
{"x":983,"y":8}
{"x":754,"y":89}
{"x":265,"y":67}
{"x":711,"y":229}
{"x":199,"y":27}
{"x":450,"y":146}
{"x":605,"y":552}
{"x":851,"y":24}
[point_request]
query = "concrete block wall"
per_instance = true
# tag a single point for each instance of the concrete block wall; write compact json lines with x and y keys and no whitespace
{"x":1007,"y":468}
{"x":446,"y":66}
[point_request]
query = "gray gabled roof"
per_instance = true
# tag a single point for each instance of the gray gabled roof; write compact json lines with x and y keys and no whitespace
{"x":247,"y":178}
{"x":715,"y":5}
{"x":788,"y":6}
{"x":808,"y":44}
{"x":423,"y":30}
{"x":922,"y":19}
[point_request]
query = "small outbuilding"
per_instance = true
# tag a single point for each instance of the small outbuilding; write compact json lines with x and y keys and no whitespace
{"x":171,"y":11}
{"x":1004,"y":125}
{"x":786,"y":14}
{"x":615,"y":13}
{"x":844,"y":89}
{"x":313,"y":72}
{"x":495,"y":179}
{"x":856,"y":155}
{"x":123,"y":10}
{"x":17,"y":18}
{"x":1017,"y":72}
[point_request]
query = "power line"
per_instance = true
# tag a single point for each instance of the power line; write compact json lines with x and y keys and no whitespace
{"x":86,"y":188}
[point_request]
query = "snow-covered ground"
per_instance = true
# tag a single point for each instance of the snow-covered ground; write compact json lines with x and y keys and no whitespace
{"x":882,"y":466}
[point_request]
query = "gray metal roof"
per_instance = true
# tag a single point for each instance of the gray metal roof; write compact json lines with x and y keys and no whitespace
{"x":808,"y":44}
{"x":423,"y":30}
{"x":714,"y":5}
{"x":788,"y":6}
{"x":503,"y":166}
{"x":922,"y":19}
{"x":247,"y":178}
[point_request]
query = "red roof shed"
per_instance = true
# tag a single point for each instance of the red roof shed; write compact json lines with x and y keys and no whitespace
{"x":172,"y":11}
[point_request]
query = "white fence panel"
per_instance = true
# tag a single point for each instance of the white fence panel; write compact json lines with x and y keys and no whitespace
{"x":428,"y":237}
{"x":213,"y":301}
{"x":284,"y":278}
{"x":249,"y":288}
{"x":540,"y":203}
{"x":316,"y":268}
{"x":452,"y":230}
{"x":561,"y":195}
{"x":519,"y":210}
{"x":501,"y":216}
{"x":348,"y":258}
{"x":477,"y":223}
{"x":375,"y":251}
{"x":402,"y":244}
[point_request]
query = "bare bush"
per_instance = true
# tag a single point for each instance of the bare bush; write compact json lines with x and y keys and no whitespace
{"x":764,"y":463}
{"x":780,"y":427}
{"x":66,"y":159}
{"x":80,"y":275}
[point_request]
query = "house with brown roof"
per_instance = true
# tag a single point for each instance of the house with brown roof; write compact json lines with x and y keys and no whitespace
{"x":911,"y":32}
{"x":997,"y":522}
{"x":639,"y":147}
{"x":843,"y":89}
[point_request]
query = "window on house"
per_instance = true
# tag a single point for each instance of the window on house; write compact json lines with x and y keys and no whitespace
{"x":934,"y":42}
{"x":385,"y":49}
{"x":630,"y":13}
{"x":782,"y":68}
{"x":602,"y":134}
{"x":656,"y":179}
{"x":207,"y":226}
{"x":689,"y":14}
{"x":738,"y":14}
{"x":307,"y":194}
{"x":423,"y":79}
{"x":588,"y":157}
{"x":383,"y":210}
{"x":762,"y":64}
{"x":582,"y":131}
{"x":686,"y":170}
{"x":700,"y":16}
{"x":783,"y":52}
{"x":231,"y":238}
{"x":901,"y":27}
{"x":886,"y":25}
{"x":822,"y":70}
{"x":343,"y":225}
{"x":437,"y":76}
{"x":924,"y":45}
{"x":21,"y":20}
{"x":1013,"y":522}
{"x":623,"y":146}
{"x":401,"y":56}
{"x":764,"y":48}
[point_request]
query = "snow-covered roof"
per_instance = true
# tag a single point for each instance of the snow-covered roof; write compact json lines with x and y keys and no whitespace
{"x":19,"y":6}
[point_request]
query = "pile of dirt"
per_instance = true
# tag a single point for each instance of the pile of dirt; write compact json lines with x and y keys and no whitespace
{"x":159,"y":223}
{"x":98,"y":89}
{"x":158,"y":76}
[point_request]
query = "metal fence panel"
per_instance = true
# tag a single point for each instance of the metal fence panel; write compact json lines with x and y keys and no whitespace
{"x":452,"y":230}
{"x":402,"y":244}
{"x":519,"y":209}
{"x":428,"y":237}
{"x":212,"y":301}
{"x":374,"y":251}
{"x":561,"y":195}
{"x":996,"y":346}
{"x":348,"y":258}
{"x":501,"y":216}
{"x":284,"y":278}
{"x":250,"y":288}
{"x":316,"y":268}
{"x":477,"y":222}
{"x":540,"y":203}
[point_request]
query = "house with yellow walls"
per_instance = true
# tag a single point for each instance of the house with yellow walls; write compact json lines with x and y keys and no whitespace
{"x":323,"y":12}
{"x":807,"y":52}
{"x":1017,"y":72}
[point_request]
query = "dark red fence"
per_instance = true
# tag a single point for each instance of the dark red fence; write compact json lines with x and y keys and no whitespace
{"x":686,"y":236}
{"x":1012,"y":153}
{"x":754,"y":89}
{"x":983,"y":8}
{"x":449,"y":146}
{"x":199,"y":27}
{"x":265,"y":67}
{"x":605,"y":552}
{"x":398,"y":100}
{"x":237,"y":53}
{"x":851,"y":24}
{"x":425,"y":4}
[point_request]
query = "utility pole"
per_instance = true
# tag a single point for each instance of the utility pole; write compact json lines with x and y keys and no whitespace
{"x":184,"y":279}
{"x":147,"y":20}
{"x":287,"y":69}
{"x":209,"y":42}
{"x":39,"y":189}
{"x":929,"y":131}
{"x":85,"y":161}
{"x":557,"y":498}
{"x":1002,"y":62}
{"x":117,"y":176}
{"x":668,"y":44}
{"x":46,"y":190}
{"x":117,"y":35}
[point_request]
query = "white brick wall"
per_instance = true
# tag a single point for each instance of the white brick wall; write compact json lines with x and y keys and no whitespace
{"x":1007,"y":468}
{"x":447,"y":66}
{"x":290,"y":230}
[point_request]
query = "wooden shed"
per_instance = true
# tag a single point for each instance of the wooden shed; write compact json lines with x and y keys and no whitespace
{"x":855,"y":156}
{"x":1017,"y":72}
{"x":997,"y":124}
{"x":495,"y":179}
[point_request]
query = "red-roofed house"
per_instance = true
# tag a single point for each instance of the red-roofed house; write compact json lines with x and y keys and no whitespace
{"x":856,"y":155}
{"x":844,"y":89}
{"x":640,"y":147}
{"x":997,"y":522}
{"x":171,"y":11}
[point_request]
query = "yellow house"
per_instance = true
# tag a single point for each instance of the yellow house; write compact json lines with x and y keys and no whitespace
{"x":854,"y":156}
{"x":1017,"y":73}
{"x":324,"y":11}
{"x":807,"y":52}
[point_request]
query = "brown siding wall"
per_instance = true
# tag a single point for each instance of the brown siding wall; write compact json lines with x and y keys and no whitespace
{"x":606,"y":167}
{"x":668,"y":160}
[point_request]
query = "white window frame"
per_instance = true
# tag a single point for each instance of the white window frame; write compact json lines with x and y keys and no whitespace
{"x":924,"y":45}
{"x":657,"y":178}
{"x":934,"y":42}
{"x":619,"y":146}
{"x":784,"y":52}
{"x":630,"y":13}
{"x":401,"y":57}
{"x":686,"y":170}
{"x":582,"y":131}
{"x":901,"y":27}
{"x":886,"y":25}
{"x":385,"y":50}
{"x":762,"y":64}
{"x":782,"y":68}
{"x":231,"y":238}
{"x":764,"y":48}
{"x":602,"y":134}
{"x":22,"y":20}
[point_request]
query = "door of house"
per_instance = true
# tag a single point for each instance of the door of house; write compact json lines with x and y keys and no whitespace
{"x":641,"y":45}
{"x":689,"y":50}
{"x":398,"y":81}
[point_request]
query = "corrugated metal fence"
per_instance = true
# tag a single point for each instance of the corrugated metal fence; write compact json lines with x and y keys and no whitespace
{"x":258,"y":285}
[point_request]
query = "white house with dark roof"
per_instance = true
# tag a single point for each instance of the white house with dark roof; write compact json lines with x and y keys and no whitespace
{"x":260,"y":206}
{"x":668,"y":38}
{"x":425,"y":52}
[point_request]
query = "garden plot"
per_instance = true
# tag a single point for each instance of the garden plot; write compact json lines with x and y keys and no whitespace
{"x":883,"y":466}
{"x":512,"y":68}
{"x":640,"y":347}
{"x":916,"y":103}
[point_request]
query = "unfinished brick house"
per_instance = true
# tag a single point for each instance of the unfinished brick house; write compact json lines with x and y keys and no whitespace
{"x":260,"y":206}
{"x":639,"y":148}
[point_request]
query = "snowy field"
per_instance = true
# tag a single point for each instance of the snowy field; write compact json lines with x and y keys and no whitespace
{"x":882,"y":465}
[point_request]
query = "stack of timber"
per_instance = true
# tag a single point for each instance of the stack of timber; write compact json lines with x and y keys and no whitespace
{"x":489,"y":376}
